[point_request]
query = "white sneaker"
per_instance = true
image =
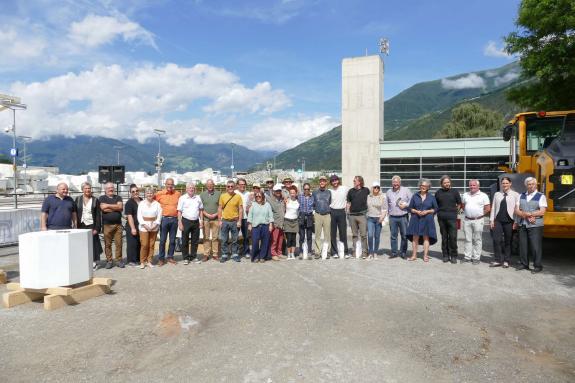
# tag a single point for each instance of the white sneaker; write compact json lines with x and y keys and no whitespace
{"x":186,"y":262}
{"x":347,"y":256}
{"x":142,"y":265}
{"x":150,"y":265}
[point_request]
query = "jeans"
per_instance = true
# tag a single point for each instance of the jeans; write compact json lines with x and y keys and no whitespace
{"x":245,"y":237}
{"x":398,"y":224}
{"x":448,"y":229}
{"x":338,"y":223}
{"x":260,"y":233}
{"x":169,"y":225}
{"x":229,"y":228}
{"x":191,"y":229}
{"x":373,"y":234}
{"x":132,"y":246}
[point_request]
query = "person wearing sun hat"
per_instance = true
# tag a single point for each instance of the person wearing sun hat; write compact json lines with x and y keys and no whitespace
{"x":287,"y":183}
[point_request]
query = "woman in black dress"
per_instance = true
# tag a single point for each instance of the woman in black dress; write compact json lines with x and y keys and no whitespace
{"x":132,"y":237}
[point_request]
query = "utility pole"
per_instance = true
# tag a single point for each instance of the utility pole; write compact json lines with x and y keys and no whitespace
{"x":13,"y":104}
{"x":25,"y":165}
{"x":159,"y":158}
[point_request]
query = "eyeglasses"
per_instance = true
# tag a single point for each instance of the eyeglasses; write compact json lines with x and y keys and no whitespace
{"x":258,"y":196}
{"x":306,"y":189}
{"x":134,"y":191}
{"x":229,"y":186}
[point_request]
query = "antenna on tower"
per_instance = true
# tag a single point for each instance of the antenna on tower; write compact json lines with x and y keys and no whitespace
{"x":383,"y":46}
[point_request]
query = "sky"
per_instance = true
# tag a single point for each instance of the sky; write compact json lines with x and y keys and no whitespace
{"x":261,"y":73}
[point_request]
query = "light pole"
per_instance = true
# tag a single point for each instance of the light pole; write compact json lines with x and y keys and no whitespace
{"x":232,"y":166}
{"x":25,"y":165}
{"x":118,"y":148}
{"x":159,"y":158}
{"x":13,"y":104}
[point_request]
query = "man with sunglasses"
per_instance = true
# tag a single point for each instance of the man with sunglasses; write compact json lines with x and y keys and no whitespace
{"x":168,"y":200}
{"x":230,"y":214}
{"x":269,"y":185}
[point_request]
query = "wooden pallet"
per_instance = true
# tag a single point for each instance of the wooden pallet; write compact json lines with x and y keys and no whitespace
{"x":56,"y":297}
{"x":3,"y":277}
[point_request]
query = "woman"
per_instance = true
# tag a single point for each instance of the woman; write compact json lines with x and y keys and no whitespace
{"x":89,"y":217}
{"x":501,"y":222}
{"x":306,"y":206}
{"x":421,"y":229}
{"x":149,"y":217}
{"x":132,"y":238}
{"x":291,"y":223}
{"x":260,"y":223}
{"x":376,"y":213}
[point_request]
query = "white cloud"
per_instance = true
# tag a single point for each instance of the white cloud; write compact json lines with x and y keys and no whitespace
{"x":19,"y":46}
{"x":94,"y":31}
{"x":508,"y":77}
{"x":470,"y":81}
{"x":492,"y":50}
{"x":115,"y":102}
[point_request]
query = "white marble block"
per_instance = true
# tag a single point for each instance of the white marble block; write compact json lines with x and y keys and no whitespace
{"x":55,"y":258}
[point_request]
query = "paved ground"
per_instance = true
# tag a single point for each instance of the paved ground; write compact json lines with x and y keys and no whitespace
{"x":305,"y":321}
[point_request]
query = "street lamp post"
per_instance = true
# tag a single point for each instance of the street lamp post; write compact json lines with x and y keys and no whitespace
{"x":12,"y":104}
{"x":232,"y":167}
{"x":159,"y":158}
{"x":118,"y":148}
{"x":25,"y":139}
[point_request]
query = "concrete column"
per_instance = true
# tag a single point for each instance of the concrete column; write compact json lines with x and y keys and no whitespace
{"x":362,"y":118}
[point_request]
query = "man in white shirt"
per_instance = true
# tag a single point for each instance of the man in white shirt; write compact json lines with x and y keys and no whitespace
{"x":241,"y":190}
{"x":475,"y":207}
{"x":530,"y":210}
{"x":337,"y":213}
{"x":190,"y":212}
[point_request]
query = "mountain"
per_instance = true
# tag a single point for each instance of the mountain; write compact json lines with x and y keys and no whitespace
{"x":85,"y":153}
{"x":418,"y":112}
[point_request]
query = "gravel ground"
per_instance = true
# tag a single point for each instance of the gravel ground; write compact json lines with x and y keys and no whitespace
{"x":305,"y":321}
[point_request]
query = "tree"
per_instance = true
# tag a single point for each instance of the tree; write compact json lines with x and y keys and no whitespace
{"x":472,"y":120}
{"x":545,"y":43}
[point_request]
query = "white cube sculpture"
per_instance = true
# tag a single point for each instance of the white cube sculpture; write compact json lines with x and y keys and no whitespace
{"x":55,"y":258}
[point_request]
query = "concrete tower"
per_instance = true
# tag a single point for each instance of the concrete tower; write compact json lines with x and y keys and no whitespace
{"x":362,"y":117}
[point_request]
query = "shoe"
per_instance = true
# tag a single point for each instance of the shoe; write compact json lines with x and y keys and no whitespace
{"x":505,"y":265}
{"x":95,"y":266}
{"x":109,"y":264}
{"x":445,"y":259}
{"x":197,"y":260}
{"x":275,"y":258}
{"x":186,"y":262}
{"x":335,"y":256}
{"x":121,"y":264}
{"x":392,"y":256}
{"x":236,"y":258}
{"x":522,"y":267}
{"x":454,"y":260}
{"x":290,"y":257}
{"x":215,"y":258}
{"x":403,"y":256}
{"x":142,"y":265}
{"x":205,"y":259}
{"x":223,"y":259}
{"x":161,"y":262}
{"x":494,"y":264}
{"x":151,"y":265}
{"x":132,"y":264}
{"x":475,"y":262}
{"x":465,"y":260}
{"x":536,"y":270}
{"x":347,"y":256}
{"x":172,"y":261}
{"x":317,"y":256}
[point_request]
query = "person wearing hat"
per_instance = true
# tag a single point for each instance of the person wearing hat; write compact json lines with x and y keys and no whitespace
{"x":338,"y":216}
{"x":321,"y":215}
{"x":287,"y":184}
{"x":277,"y":203}
{"x":376,"y":213}
{"x":357,"y":210}
{"x":269,"y":184}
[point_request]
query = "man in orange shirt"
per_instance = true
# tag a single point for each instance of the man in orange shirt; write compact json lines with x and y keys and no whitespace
{"x":168,"y":199}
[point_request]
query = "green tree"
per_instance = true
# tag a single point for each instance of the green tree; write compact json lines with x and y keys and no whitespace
{"x":4,"y":160}
{"x":472,"y":120}
{"x":545,"y":43}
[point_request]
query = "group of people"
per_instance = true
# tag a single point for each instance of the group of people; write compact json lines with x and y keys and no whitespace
{"x":272,"y":217}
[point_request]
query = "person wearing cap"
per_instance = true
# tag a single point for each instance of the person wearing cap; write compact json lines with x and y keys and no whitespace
{"x":269,"y":185}
{"x":376,"y":213}
{"x":277,"y":203}
{"x":305,"y":217}
{"x":338,"y":216}
{"x":287,"y":184}
{"x":321,"y":215}
{"x":241,"y":190}
{"x":398,"y":198}
{"x":357,"y":210}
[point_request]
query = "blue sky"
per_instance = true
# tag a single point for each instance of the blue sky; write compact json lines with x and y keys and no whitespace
{"x":265,"y":74}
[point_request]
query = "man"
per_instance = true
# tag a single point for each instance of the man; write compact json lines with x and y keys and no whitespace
{"x":357,"y":210}
{"x":475,"y":207}
{"x":230,"y":215}
{"x":321,"y":215}
{"x":58,"y":210}
{"x":398,"y":198}
{"x":277,"y":235}
{"x":337,"y":213}
{"x":112,"y":206}
{"x":190,"y":210}
{"x":268,"y":192}
{"x":305,"y":218}
{"x":449,"y":202}
{"x":241,"y":190}
{"x":168,"y":200}
{"x":210,"y":200}
{"x":287,"y":183}
{"x":530,"y":211}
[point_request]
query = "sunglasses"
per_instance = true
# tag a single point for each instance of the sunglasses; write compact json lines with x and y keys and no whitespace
{"x":134,"y":191}
{"x":258,"y":196}
{"x":229,"y":187}
{"x":306,"y":189}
